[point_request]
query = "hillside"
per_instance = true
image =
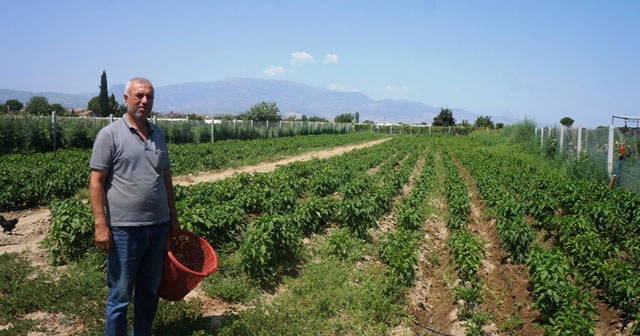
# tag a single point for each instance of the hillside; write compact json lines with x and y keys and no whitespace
{"x":236,"y":95}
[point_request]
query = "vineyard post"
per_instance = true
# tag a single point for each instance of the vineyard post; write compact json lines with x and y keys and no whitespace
{"x":579,"y":140}
{"x":111,"y":118}
{"x":562,"y":128}
{"x":541,"y":136}
{"x":212,"y":128}
{"x":235,"y":128}
{"x":53,"y":129}
{"x":610,"y":149}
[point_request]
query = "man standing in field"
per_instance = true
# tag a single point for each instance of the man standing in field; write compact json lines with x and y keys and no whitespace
{"x":134,"y":210}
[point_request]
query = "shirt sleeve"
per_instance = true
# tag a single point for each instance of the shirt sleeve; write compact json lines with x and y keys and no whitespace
{"x":102,"y":154}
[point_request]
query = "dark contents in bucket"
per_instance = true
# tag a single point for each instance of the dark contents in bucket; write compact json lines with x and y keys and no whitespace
{"x":188,"y":252}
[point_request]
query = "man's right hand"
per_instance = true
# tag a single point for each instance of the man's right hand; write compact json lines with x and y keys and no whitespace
{"x":103,"y":238}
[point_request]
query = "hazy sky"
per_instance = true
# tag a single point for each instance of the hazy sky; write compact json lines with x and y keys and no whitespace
{"x":540,"y":60}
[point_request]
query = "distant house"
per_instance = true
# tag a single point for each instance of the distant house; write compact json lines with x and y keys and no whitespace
{"x":86,"y":114}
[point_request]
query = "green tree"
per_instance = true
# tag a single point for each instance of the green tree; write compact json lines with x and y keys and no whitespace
{"x":3,"y":109}
{"x":103,"y":100}
{"x":567,"y":122}
{"x":94,"y":105}
{"x":117,"y":109}
{"x":318,"y":119}
{"x":445,"y":118}
{"x":13,"y":105}
{"x":483,"y":121}
{"x":38,"y":105}
{"x":193,"y":116}
{"x":262,"y":111}
{"x":345,"y":118}
{"x":60,"y":110}
{"x":357,"y":117}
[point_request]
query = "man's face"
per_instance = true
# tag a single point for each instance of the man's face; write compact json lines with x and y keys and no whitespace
{"x":139,"y":99}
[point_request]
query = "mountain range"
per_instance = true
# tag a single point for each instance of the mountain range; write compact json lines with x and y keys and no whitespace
{"x":237,"y":95}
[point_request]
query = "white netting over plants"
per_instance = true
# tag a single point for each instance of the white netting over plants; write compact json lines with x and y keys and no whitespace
{"x":601,"y":146}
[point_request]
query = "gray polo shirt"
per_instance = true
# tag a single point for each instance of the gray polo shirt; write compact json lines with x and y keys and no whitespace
{"x":135,"y":191}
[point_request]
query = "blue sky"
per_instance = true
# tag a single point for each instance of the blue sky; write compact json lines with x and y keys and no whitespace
{"x":540,"y":60}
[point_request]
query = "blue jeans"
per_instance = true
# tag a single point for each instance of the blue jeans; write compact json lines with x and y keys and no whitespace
{"x":135,"y":261}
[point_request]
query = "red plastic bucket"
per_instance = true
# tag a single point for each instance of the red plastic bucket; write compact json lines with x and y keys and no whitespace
{"x":188,"y":260}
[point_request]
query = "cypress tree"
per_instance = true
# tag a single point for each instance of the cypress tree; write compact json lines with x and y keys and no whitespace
{"x":105,"y":107}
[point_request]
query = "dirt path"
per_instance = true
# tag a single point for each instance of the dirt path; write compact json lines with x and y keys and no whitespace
{"x":432,"y":304}
{"x":34,"y":223}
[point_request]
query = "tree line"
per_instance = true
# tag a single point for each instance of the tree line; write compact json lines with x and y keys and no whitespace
{"x":445,"y":118}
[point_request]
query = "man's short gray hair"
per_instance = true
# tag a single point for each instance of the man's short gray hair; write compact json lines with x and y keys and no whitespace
{"x":135,"y":80}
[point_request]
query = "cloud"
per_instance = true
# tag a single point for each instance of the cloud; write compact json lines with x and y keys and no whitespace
{"x":397,"y":88}
{"x":301,"y":58}
{"x":330,"y":58}
{"x":274,"y":70}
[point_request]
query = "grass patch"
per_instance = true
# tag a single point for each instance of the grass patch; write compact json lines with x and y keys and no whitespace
{"x":180,"y":318}
{"x":230,"y":283}
{"x":78,"y":293}
{"x":331,"y":295}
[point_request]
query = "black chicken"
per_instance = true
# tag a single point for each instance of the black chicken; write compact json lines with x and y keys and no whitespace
{"x":8,"y":225}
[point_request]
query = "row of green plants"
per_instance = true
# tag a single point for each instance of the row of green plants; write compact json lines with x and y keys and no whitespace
{"x":592,"y":229}
{"x":466,"y":249}
{"x":28,"y":180}
{"x":399,"y":249}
